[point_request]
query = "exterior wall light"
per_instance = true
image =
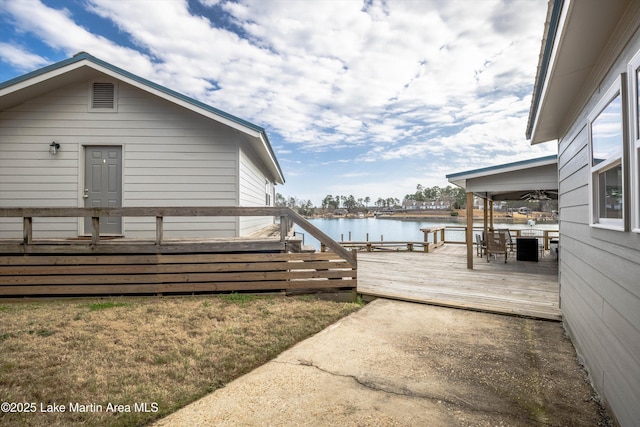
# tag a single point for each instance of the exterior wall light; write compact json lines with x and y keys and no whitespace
{"x":53,"y":148}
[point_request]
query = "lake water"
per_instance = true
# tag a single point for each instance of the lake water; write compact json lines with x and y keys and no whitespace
{"x":356,"y":229}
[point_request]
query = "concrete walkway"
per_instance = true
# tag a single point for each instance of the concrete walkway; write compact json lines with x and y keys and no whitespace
{"x":397,"y":363}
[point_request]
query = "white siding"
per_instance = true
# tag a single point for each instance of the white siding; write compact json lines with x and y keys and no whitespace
{"x":171,"y":157}
{"x":599,"y":275}
{"x":252,"y":192}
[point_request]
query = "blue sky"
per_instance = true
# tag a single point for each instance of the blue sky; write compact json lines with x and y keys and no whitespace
{"x":364,"y":98}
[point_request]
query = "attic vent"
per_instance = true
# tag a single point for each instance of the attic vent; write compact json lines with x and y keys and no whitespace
{"x":103,"y":96}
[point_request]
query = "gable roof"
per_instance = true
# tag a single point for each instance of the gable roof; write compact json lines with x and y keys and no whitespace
{"x":511,"y":181}
{"x":83,"y":66}
{"x":581,"y":39}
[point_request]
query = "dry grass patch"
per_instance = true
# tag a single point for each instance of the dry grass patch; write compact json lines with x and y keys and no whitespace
{"x":160,"y":352}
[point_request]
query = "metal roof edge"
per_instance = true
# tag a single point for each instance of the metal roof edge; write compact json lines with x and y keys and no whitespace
{"x":543,"y":68}
{"x":273,"y":156}
{"x":540,"y":161}
{"x":38,"y":72}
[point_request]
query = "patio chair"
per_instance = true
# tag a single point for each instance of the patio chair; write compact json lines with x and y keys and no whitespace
{"x":510,"y":241}
{"x":496,"y":245}
{"x":480,"y":247}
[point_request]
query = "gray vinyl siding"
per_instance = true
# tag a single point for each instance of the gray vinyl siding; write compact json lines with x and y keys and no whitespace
{"x":599,"y":274}
{"x":171,"y":157}
{"x":252,"y":192}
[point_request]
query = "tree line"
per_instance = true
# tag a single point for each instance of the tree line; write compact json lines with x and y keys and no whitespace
{"x":455,"y":196}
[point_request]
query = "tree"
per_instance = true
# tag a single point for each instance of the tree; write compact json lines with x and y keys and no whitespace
{"x":459,"y":198}
{"x":454,"y":196}
{"x":329,"y":202}
{"x":349,"y":202}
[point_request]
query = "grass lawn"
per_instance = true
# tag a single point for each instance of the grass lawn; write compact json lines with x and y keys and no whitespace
{"x":129,"y":360}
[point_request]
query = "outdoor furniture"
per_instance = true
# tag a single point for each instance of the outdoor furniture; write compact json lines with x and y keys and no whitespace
{"x":496,"y":244}
{"x":553,"y":247}
{"x":508,"y":239}
{"x":527,"y":249}
{"x":538,"y":235}
{"x":480,"y":247}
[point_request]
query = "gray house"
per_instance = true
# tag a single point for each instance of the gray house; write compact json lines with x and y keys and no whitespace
{"x":586,"y":97}
{"x":84,"y":133}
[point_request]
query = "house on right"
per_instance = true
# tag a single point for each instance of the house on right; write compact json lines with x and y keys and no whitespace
{"x":587,"y":96}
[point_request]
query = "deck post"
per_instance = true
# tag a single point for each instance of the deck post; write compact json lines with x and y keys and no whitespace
{"x":95,"y":232}
{"x":27,"y":230}
{"x":469,"y":231}
{"x":159,"y":229}
{"x":284,"y":228}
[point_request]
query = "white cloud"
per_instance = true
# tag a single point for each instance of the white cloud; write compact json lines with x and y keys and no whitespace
{"x":56,"y":28}
{"x":20,"y":58}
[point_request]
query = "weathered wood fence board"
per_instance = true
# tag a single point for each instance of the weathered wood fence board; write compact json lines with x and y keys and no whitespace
{"x":118,"y":274}
{"x":131,"y":247}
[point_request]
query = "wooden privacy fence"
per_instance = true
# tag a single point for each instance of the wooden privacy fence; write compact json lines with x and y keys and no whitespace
{"x":44,"y":267}
{"x":86,"y":274}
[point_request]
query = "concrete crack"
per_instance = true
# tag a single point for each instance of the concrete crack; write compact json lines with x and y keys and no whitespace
{"x":457,"y":402}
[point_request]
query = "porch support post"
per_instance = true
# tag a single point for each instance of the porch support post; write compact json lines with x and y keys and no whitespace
{"x":485,"y":213}
{"x":491,"y":214}
{"x":469,"y":233}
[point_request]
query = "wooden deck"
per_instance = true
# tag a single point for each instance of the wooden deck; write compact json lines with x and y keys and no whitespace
{"x":442,"y":278}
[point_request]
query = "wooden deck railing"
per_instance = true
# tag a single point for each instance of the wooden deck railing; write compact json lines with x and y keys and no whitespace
{"x":36,"y":266}
{"x":437,"y":240}
{"x":546,"y":235}
{"x":287,"y":217}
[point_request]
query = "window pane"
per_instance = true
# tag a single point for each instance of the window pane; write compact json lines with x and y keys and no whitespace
{"x":606,"y":132}
{"x":610,"y":190}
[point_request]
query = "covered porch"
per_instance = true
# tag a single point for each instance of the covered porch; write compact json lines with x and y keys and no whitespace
{"x":534,"y":179}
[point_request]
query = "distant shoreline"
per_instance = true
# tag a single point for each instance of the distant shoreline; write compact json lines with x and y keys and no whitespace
{"x":460,"y":219}
{"x":463,"y":220}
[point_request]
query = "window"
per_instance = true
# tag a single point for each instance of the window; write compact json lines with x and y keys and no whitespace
{"x":634,"y":73}
{"x":607,"y":145}
{"x":103,"y":97}
{"x":267,"y":190}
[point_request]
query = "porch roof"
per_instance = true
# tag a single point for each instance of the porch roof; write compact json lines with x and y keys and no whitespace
{"x":512,"y":181}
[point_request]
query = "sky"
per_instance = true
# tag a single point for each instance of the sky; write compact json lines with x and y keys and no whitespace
{"x":366,"y":98}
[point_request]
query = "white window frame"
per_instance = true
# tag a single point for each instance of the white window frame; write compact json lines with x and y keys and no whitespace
{"x":618,"y":88}
{"x":634,"y":135}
